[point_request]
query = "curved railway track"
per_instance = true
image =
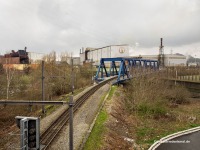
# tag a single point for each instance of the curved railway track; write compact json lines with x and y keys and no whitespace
{"x":48,"y":136}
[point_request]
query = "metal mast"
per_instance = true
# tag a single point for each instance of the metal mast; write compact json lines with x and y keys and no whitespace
{"x":161,"y":53}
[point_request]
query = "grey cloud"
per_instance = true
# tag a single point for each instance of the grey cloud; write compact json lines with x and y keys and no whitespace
{"x":71,"y":24}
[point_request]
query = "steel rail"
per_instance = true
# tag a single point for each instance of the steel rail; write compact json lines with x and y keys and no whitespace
{"x":51,"y":132}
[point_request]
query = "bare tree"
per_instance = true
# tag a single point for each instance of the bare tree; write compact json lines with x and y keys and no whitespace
{"x":65,"y":57}
{"x":50,"y":58}
{"x":9,"y":76}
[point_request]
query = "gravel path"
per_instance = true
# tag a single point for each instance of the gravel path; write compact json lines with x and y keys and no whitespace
{"x":82,"y":120}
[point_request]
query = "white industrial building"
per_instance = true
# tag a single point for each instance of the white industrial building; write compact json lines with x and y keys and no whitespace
{"x":175,"y":60}
{"x":95,"y":54}
{"x":76,"y":60}
{"x":169,"y":59}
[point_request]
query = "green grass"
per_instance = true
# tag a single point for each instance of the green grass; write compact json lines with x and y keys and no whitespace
{"x":95,"y":139}
{"x":148,"y":134}
{"x":147,"y":109}
{"x":113,"y":88}
{"x":51,"y":108}
{"x":152,"y":130}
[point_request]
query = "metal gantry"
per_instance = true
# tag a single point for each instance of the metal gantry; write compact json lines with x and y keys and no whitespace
{"x":124,"y":68}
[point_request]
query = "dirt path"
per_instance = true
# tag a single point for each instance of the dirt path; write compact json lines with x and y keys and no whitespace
{"x":119,"y":135}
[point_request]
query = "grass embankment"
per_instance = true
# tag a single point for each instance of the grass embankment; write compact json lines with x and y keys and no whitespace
{"x":51,"y":108}
{"x":160,"y":109}
{"x":95,"y":139}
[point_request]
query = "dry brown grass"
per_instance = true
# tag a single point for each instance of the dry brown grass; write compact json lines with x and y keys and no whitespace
{"x":7,"y":121}
{"x":160,"y":108}
{"x":27,"y":86}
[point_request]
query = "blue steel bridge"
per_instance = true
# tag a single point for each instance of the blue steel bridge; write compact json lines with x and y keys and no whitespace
{"x":124,"y":68}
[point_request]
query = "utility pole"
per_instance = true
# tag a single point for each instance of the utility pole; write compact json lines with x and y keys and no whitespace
{"x":71,"y":104}
{"x":71,"y":130}
{"x":43,"y":94}
{"x":161,"y":53}
{"x":72,"y":76}
{"x":92,"y":71}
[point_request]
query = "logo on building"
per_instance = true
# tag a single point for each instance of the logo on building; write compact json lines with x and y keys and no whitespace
{"x":121,"y":49}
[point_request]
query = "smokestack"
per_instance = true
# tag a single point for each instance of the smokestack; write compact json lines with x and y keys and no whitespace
{"x":161,"y":42}
{"x":25,"y":48}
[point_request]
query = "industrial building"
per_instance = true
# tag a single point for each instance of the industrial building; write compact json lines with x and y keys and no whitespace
{"x":19,"y":57}
{"x":95,"y":54}
{"x":169,"y":59}
{"x":76,"y":60}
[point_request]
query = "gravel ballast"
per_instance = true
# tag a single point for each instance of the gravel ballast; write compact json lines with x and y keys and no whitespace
{"x":82,"y":121}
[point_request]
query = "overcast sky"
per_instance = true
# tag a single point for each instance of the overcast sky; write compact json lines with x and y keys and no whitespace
{"x":68,"y":25}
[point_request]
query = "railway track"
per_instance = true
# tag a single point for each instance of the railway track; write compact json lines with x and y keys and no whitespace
{"x":49,"y":135}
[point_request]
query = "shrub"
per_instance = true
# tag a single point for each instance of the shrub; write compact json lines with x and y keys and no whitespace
{"x":178,"y":95}
{"x":157,"y":110}
{"x":150,"y":95}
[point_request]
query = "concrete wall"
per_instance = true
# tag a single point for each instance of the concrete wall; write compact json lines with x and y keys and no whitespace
{"x":192,"y":85}
{"x":105,"y":52}
{"x":120,"y":51}
{"x":169,"y":59}
{"x":10,"y":60}
{"x":82,"y":58}
{"x":151,"y":57}
{"x":14,"y":66}
{"x":76,"y":60}
{"x":175,"y":60}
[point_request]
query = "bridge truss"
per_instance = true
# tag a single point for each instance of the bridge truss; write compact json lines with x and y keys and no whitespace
{"x":124,"y":68}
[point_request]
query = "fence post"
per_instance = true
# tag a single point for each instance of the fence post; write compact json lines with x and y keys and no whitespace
{"x":176,"y":77}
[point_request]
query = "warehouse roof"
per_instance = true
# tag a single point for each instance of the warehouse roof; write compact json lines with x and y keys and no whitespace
{"x":93,"y":49}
